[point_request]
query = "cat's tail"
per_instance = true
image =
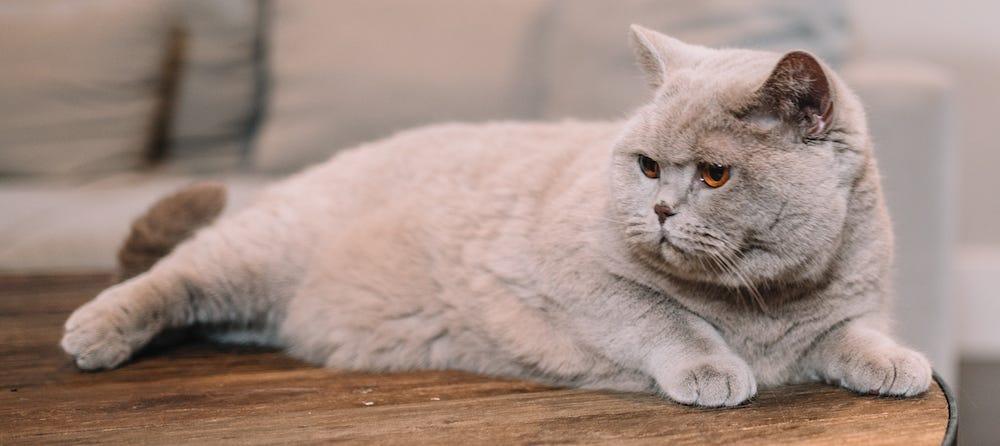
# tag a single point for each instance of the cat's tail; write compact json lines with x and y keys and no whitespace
{"x":167,"y":223}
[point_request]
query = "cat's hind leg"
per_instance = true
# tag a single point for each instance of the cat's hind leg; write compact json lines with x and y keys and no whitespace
{"x":237,"y":273}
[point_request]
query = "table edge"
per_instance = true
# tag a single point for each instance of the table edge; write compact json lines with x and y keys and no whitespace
{"x":951,"y":431}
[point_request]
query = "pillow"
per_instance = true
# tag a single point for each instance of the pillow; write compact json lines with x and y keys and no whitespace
{"x":78,"y":88}
{"x":349,"y":71}
{"x":589,"y":68}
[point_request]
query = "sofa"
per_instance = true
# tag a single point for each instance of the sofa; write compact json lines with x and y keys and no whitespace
{"x":106,"y":105}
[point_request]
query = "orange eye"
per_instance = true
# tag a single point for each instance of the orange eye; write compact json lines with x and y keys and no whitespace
{"x":649,"y":167}
{"x":714,"y":175}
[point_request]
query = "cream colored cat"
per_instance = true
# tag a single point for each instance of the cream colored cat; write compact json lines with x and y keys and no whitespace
{"x":730,"y":235}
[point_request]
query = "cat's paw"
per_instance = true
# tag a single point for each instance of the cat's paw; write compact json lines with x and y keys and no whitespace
{"x":95,"y":334}
{"x":895,"y":371}
{"x":722,"y":380}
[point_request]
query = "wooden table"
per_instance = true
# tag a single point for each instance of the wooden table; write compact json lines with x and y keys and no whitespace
{"x":198,"y":392}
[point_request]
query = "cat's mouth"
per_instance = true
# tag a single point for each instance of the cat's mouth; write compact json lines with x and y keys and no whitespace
{"x":669,"y":244}
{"x":698,"y":261}
{"x":688,"y":263}
{"x":701,"y":261}
{"x":692,"y":263}
{"x":665,"y":242}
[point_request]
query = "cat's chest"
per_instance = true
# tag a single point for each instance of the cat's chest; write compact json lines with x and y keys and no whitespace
{"x":770,"y":343}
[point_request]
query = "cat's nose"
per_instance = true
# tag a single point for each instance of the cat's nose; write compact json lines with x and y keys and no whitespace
{"x":663,"y":211}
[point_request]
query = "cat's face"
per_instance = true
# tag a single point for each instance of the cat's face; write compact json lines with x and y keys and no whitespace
{"x":732,"y":174}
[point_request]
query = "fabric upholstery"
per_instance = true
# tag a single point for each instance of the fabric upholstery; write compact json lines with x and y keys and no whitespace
{"x":72,"y":225}
{"x":218,"y":82}
{"x":349,"y":71}
{"x":78,"y":82}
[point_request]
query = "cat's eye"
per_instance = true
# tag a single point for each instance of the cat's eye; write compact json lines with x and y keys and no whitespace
{"x":714,"y":175}
{"x":649,"y":167}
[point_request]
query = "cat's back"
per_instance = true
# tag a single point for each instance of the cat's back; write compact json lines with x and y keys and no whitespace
{"x":449,"y":164}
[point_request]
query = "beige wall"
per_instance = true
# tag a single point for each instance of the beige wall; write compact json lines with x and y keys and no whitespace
{"x":963,"y":36}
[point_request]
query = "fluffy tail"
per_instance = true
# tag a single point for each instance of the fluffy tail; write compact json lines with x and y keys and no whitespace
{"x":166,"y":224}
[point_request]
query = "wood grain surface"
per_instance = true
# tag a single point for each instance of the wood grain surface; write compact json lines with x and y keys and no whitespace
{"x":197,"y":392}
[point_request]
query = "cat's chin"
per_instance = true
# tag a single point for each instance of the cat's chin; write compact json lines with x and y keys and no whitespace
{"x":689,"y":266}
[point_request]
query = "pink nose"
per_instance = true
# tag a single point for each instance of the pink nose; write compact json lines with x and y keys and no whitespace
{"x":663,"y":211}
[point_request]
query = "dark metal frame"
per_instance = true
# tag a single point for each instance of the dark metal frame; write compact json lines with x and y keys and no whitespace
{"x":951,"y":432}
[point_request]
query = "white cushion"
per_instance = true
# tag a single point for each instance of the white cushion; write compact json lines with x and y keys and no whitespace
{"x":78,"y":83}
{"x":70,"y":225}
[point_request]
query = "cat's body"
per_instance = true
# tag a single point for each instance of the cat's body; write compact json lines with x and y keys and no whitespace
{"x":533,"y":250}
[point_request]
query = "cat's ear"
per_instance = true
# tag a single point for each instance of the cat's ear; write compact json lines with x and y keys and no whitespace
{"x":799,"y":93}
{"x":657,"y":53}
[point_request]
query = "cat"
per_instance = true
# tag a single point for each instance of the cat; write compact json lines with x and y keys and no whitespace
{"x":731,"y":234}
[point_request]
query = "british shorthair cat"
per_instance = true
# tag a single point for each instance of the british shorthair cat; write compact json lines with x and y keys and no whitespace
{"x":730,"y":234}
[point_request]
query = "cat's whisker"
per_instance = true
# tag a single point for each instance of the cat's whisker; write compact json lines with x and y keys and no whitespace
{"x":723,"y":254}
{"x":626,"y":222}
{"x":739,"y":273}
{"x":716,"y":258}
{"x":611,"y":220}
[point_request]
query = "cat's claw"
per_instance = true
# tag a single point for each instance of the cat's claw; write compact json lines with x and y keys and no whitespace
{"x":95,"y":335}
{"x":897,"y":372}
{"x":714,"y":382}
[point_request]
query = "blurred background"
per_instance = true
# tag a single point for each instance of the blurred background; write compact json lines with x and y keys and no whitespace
{"x":106,"y":105}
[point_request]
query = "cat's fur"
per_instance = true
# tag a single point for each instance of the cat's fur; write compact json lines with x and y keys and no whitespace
{"x":533,"y":250}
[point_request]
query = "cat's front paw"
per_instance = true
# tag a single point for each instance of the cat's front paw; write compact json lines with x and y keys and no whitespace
{"x":96,"y":334}
{"x":723,"y":380}
{"x":894,"y":371}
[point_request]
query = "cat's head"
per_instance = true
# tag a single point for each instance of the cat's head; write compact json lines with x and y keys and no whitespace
{"x":740,"y":169}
